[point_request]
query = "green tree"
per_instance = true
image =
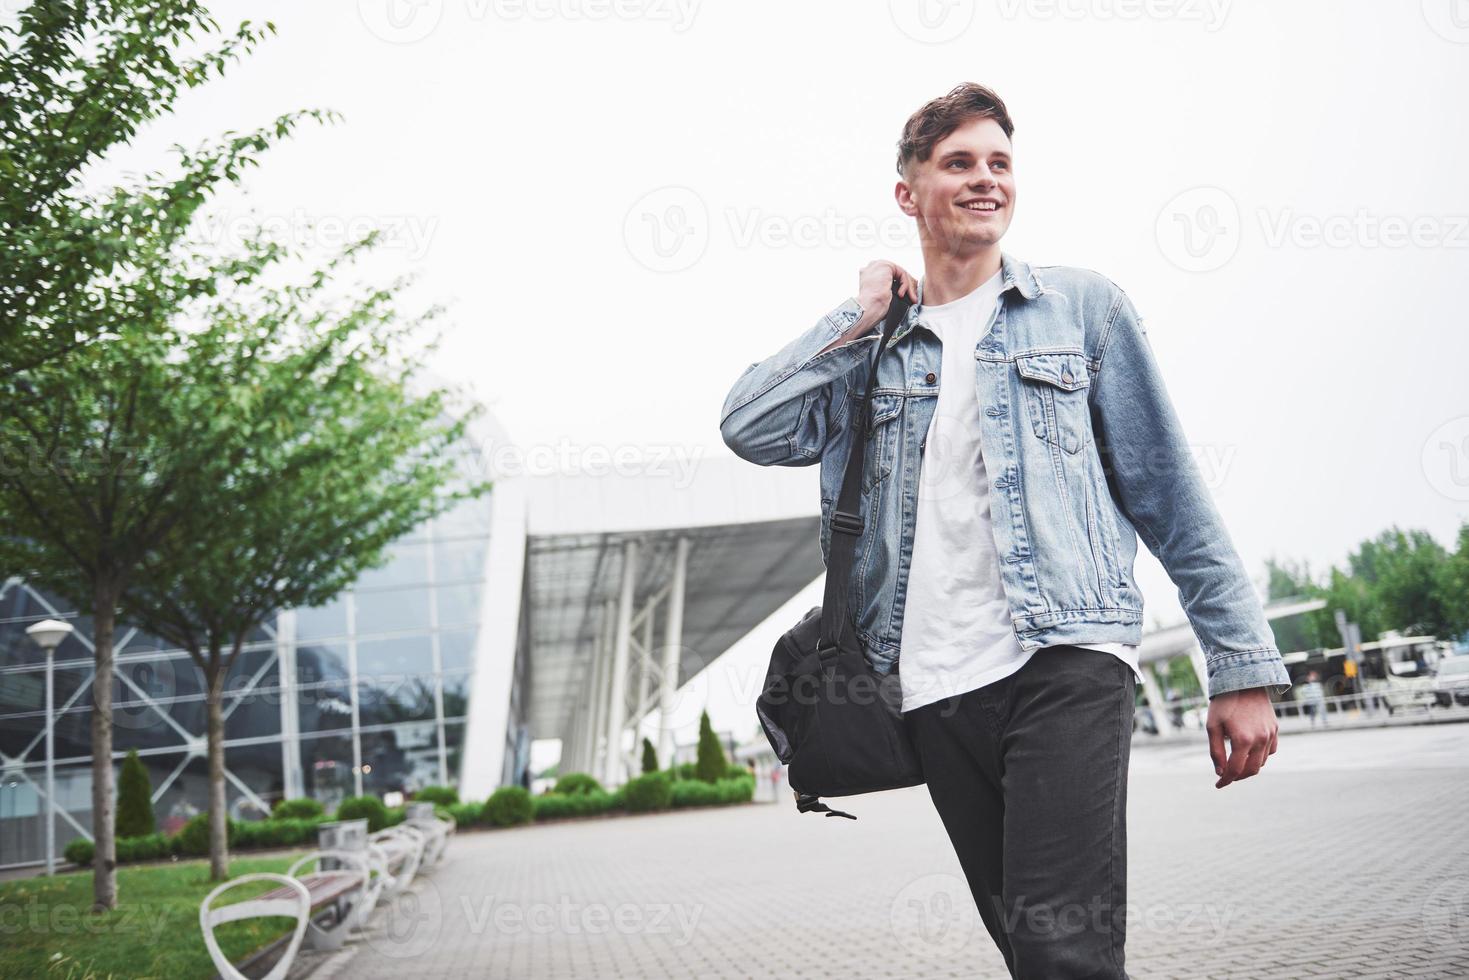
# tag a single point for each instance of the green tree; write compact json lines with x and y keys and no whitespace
{"x":1453,"y":585}
{"x":650,"y":756}
{"x":711,"y":763}
{"x":87,"y":485}
{"x":77,"y":80}
{"x":334,"y":451}
{"x":134,"y":799}
{"x":1304,"y":631}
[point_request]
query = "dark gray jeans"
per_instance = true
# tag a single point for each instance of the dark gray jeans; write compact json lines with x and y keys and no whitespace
{"x":1029,"y":775}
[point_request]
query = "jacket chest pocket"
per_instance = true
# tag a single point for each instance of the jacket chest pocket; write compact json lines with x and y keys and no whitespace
{"x":883,"y":425}
{"x":1055,"y":386}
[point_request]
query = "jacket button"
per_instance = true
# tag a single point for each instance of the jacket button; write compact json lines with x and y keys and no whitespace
{"x":930,"y":377}
{"x":1066,"y":377}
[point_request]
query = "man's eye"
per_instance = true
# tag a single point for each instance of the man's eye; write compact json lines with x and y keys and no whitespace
{"x":1000,"y":165}
{"x":959,"y":162}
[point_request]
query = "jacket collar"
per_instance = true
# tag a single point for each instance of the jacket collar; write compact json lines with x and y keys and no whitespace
{"x":1016,"y":274}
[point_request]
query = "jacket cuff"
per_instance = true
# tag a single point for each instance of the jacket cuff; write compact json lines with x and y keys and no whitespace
{"x":1244,"y":670}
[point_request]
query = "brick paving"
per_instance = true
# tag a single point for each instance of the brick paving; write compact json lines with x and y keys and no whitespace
{"x":1345,"y":857}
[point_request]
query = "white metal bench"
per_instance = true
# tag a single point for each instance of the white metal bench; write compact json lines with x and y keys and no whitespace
{"x":421,"y":816}
{"x":291,"y":900}
{"x":342,"y":894}
{"x":399,"y":851}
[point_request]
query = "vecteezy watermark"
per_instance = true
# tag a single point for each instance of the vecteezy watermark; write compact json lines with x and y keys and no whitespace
{"x":1363,"y":229}
{"x":934,"y":916}
{"x":1444,"y":914}
{"x":1445,"y":458}
{"x":411,"y":21}
{"x":932,"y":21}
{"x":569,"y":918}
{"x":411,"y":923}
{"x":568,"y":458}
{"x":939,"y":21}
{"x":1200,"y":229}
{"x":670,"y":228}
{"x":1210,"y":13}
{"x":830,"y":229}
{"x":667,"y":229}
{"x":29,"y":915}
{"x":1449,"y":19}
{"x":408,"y":233}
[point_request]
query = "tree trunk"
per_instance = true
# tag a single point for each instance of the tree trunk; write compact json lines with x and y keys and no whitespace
{"x":104,"y":860}
{"x":219,"y":856}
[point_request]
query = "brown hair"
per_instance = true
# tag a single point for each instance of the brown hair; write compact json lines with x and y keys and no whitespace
{"x":940,"y":117}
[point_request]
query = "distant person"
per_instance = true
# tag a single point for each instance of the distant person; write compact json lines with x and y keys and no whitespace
{"x":996,"y":530}
{"x":1313,"y":698}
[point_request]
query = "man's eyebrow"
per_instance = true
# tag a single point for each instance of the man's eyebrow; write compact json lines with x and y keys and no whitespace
{"x":968,"y":153}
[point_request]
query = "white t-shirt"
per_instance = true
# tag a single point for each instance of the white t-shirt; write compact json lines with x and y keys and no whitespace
{"x":957,"y":631}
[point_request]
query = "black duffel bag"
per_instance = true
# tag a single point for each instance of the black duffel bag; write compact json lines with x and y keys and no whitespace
{"x":836,"y":725}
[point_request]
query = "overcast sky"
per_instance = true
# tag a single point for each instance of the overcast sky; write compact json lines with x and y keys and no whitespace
{"x":626,"y":204}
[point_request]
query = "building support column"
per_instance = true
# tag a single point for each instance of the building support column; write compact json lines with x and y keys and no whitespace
{"x":595,"y":696}
{"x":618,"y":706}
{"x":1201,"y":670}
{"x":672,"y":650}
{"x":1157,"y":705}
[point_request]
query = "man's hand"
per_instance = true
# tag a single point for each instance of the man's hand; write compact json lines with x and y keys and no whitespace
{"x":1247,"y":719}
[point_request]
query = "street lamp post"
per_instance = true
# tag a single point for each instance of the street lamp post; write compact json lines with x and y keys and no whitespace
{"x":48,"y":635}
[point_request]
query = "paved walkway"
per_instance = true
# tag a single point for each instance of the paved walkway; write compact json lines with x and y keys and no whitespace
{"x":1346,"y":857}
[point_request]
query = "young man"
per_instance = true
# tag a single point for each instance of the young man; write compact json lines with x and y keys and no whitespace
{"x":1001,"y":513}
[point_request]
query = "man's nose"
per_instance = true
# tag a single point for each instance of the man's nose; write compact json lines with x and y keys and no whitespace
{"x":983,"y":178}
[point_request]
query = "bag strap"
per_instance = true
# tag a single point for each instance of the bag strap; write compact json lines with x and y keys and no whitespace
{"x":846,"y":516}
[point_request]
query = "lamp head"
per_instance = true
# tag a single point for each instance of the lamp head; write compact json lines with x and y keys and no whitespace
{"x":49,"y":633}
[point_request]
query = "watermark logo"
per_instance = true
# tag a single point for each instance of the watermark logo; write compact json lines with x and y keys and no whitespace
{"x":932,"y":21}
{"x":400,"y":21}
{"x":1444,"y":914}
{"x":1445,"y":458}
{"x":667,"y":230}
{"x":568,"y":918}
{"x":1199,"y":229}
{"x":1449,"y":19}
{"x":934,"y":916}
{"x":410,"y":923}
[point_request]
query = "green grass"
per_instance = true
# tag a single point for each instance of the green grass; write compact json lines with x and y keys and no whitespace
{"x":46,"y":929}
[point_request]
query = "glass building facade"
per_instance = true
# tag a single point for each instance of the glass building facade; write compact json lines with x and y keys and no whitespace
{"x":369,"y":694}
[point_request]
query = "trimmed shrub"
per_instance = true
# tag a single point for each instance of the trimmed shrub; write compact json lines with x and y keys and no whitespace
{"x":737,"y":771}
{"x":711,"y":761}
{"x":508,"y":806}
{"x":696,"y":792}
{"x":274,"y":833}
{"x":466,"y":814}
{"x":440,"y":795}
{"x":650,"y":756}
{"x":148,"y":847}
{"x":693,"y":792}
{"x":193,"y":837}
{"x":80,"y":852}
{"x":301,"y":809}
{"x":396,"y":815}
{"x":357,"y":807}
{"x":134,"y":799}
{"x":685,"y":770}
{"x":577,"y":782}
{"x":558,"y":806}
{"x":651,"y":791}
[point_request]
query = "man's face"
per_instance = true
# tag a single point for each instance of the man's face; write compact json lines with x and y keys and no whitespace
{"x":963,"y":196}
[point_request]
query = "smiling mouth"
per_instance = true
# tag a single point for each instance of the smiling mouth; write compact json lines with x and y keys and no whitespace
{"x":980,"y":207}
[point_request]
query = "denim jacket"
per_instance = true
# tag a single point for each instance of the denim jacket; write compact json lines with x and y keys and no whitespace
{"x":1083,"y":450}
